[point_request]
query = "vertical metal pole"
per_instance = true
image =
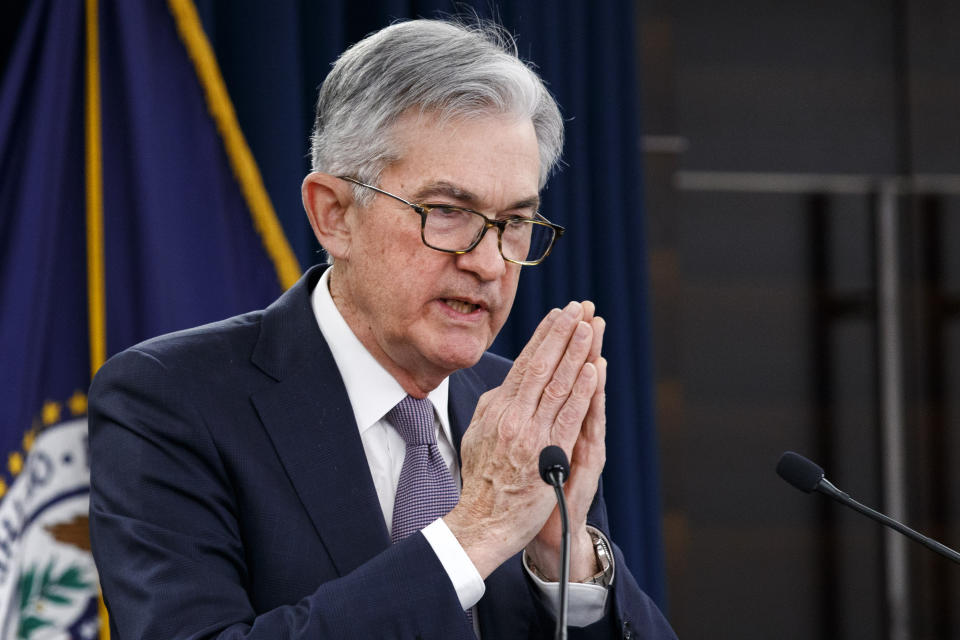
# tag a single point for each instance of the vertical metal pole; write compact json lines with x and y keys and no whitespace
{"x":823,"y":383}
{"x":890,"y":361}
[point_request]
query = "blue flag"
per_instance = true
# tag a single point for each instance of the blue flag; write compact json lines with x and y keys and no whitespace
{"x":129,"y":206}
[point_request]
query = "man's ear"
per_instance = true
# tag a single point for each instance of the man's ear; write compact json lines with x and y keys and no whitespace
{"x":326,"y":199}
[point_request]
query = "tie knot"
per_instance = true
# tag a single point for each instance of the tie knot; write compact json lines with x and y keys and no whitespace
{"x":413,"y":418}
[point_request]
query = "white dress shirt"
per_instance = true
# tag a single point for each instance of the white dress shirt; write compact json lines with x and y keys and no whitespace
{"x":373,"y":392}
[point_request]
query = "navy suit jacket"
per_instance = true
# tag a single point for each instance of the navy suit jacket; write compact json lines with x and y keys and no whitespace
{"x":231,"y":498}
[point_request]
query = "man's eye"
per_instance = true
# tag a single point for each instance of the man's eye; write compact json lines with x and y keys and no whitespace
{"x":524,"y":213}
{"x":446,"y":212}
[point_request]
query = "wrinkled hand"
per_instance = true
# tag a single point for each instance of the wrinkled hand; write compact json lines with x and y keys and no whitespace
{"x":586,"y":463}
{"x":546,"y":398}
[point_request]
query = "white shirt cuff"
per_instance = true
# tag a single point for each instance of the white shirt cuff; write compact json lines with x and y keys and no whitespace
{"x":463,"y":575}
{"x":587,"y":603}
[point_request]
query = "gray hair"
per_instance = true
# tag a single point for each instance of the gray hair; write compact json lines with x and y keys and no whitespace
{"x":448,"y":69}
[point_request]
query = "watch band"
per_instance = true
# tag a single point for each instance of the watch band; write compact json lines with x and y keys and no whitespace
{"x":604,"y":559}
{"x":601,"y":548}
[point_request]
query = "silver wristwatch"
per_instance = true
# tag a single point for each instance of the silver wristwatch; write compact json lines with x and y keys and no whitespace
{"x":604,"y":559}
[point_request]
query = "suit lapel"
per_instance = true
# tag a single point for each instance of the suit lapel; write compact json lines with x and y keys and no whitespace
{"x":461,"y":404}
{"x":308,"y":417}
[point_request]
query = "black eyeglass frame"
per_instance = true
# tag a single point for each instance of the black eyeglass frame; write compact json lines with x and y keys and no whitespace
{"x":423,"y":209}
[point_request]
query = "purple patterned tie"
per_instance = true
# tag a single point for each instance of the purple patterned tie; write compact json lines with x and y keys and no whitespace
{"x":426,"y":490}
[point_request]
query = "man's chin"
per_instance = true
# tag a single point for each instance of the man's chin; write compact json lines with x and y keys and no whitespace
{"x":460,"y":361}
{"x":459,"y":355}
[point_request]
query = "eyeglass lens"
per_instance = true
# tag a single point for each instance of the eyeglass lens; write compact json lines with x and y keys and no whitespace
{"x":457,"y":230}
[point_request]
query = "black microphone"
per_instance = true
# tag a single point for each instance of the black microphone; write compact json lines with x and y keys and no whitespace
{"x":808,"y":476}
{"x":554,"y":469}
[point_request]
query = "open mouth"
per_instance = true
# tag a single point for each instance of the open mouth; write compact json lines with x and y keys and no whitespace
{"x":460,"y":306}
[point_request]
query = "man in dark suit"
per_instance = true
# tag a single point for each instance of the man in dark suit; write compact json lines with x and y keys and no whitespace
{"x":307,"y":471}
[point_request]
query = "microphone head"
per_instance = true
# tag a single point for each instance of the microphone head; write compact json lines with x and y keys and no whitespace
{"x":799,"y":471}
{"x":553,"y":462}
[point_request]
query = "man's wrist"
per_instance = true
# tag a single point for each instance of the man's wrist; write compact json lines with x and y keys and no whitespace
{"x":478,"y":541}
{"x":602,"y":556}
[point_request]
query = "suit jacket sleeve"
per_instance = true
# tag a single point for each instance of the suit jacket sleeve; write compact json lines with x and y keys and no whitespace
{"x":166,"y":533}
{"x":630,"y":612}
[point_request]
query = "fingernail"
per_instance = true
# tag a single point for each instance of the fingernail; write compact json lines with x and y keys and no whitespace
{"x":583,"y":331}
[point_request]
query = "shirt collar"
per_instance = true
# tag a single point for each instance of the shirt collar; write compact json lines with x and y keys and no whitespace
{"x":373,"y":392}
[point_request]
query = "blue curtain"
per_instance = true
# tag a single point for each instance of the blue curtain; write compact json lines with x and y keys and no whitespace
{"x":275,"y":55}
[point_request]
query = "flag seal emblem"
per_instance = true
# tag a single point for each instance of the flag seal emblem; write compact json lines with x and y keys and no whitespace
{"x":48,"y":581}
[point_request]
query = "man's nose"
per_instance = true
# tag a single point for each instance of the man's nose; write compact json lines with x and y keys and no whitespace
{"x":485,"y":259}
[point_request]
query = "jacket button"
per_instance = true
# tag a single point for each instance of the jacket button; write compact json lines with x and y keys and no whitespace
{"x":627,"y":631}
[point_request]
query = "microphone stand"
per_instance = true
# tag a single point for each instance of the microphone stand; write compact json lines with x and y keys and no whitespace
{"x":828,"y":489}
{"x":808,"y":476}
{"x":561,"y":632}
{"x":554,"y":469}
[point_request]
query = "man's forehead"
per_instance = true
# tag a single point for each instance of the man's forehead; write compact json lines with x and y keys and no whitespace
{"x":480,"y":161}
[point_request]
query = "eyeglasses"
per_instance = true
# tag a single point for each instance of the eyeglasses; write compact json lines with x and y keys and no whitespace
{"x":525,"y":241}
